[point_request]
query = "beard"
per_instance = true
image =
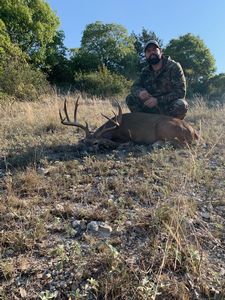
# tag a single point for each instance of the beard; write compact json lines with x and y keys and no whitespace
{"x":153,"y":59}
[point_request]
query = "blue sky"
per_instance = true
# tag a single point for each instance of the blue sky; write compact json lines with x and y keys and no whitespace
{"x":167,"y":18}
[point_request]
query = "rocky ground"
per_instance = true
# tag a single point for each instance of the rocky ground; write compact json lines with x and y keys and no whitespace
{"x":135,"y":222}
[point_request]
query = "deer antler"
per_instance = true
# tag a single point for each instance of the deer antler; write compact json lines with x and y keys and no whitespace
{"x":66,"y":119}
{"x":117,"y":122}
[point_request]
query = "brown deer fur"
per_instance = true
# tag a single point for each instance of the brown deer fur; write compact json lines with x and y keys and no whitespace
{"x":147,"y":128}
{"x":137,"y":127}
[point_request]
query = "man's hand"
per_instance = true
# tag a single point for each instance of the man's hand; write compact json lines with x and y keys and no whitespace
{"x":151,"y":102}
{"x":148,"y":99}
{"x":144,"y":95}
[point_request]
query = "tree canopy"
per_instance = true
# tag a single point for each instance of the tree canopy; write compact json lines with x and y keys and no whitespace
{"x":196,"y":59}
{"x":108,"y":43}
{"x":7,"y":48}
{"x":31,"y":25}
{"x":215,"y":86}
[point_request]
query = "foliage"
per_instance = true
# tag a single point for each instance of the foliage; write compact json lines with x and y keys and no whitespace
{"x":104,"y":64}
{"x":17,"y":78}
{"x":21,"y":80}
{"x":102,"y":83}
{"x":83,"y":61}
{"x":108,"y":43}
{"x":31,"y":25}
{"x":7,"y":48}
{"x":57,"y":66}
{"x":196,"y":59}
{"x":215,"y":86}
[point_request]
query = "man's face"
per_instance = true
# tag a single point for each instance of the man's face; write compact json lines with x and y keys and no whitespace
{"x":153,"y":54}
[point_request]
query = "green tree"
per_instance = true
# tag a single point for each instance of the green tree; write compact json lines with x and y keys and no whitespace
{"x":215,"y":86}
{"x":82,"y":61}
{"x":107,"y":44}
{"x":31,"y":24}
{"x":7,"y":48}
{"x":196,"y":59}
{"x":17,"y":78}
{"x":57,"y":65}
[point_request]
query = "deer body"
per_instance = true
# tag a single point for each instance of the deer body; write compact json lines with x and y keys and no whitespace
{"x":137,"y":127}
{"x":147,"y":128}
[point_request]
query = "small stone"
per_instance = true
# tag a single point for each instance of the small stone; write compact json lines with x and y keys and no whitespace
{"x":99,"y":229}
{"x":79,"y":227}
{"x":79,"y":224}
{"x":222,"y":272}
{"x":42,"y":171}
{"x":59,"y":207}
{"x":63,"y":284}
{"x":221,"y":208}
{"x":205,"y":215}
{"x":158,"y":145}
{"x":92,"y":226}
{"x":105,"y":230}
{"x":83,"y":225}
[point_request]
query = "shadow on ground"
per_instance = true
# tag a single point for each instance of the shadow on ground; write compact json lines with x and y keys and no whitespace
{"x":33,"y":155}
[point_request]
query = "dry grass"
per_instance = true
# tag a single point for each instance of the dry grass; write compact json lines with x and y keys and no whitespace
{"x":166,"y":209}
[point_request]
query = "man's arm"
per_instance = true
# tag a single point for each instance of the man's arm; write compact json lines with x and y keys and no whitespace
{"x":178,"y":84}
{"x":139,"y":91}
{"x":137,"y":88}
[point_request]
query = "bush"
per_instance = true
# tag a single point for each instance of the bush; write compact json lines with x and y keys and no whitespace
{"x":5,"y":98}
{"x":102,"y":83}
{"x":21,"y":80}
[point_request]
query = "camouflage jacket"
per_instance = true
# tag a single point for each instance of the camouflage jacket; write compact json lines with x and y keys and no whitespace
{"x":166,"y":85}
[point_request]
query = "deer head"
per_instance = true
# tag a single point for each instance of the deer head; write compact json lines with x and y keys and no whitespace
{"x":96,"y":138}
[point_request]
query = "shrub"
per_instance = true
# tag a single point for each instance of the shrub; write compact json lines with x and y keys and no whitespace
{"x":18,"y":79}
{"x":102,"y":83}
{"x":21,"y":80}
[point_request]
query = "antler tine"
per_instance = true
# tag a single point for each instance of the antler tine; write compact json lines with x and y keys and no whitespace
{"x":116,"y":122}
{"x":119,"y":117}
{"x":111,"y":120}
{"x":66,"y":120}
{"x":75,"y":109}
{"x":61,"y":118}
{"x":65,"y":110}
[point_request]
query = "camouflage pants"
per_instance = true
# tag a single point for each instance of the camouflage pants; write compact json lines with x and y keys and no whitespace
{"x":177,"y":108}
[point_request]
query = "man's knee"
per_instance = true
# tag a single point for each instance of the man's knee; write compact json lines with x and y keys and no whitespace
{"x":178,"y":109}
{"x":133,"y":103}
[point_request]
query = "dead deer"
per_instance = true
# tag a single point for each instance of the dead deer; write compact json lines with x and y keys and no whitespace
{"x":142,"y":128}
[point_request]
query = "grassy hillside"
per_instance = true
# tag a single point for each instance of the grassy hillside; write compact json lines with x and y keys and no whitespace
{"x":130,"y":223}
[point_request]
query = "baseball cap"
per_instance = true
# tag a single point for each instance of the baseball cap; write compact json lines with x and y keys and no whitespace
{"x":154,"y":42}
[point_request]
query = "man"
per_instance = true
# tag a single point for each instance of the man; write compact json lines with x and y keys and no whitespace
{"x":161,"y":86}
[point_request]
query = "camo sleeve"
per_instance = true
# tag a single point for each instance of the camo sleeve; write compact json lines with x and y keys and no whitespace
{"x":178,"y":83}
{"x":137,"y":86}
